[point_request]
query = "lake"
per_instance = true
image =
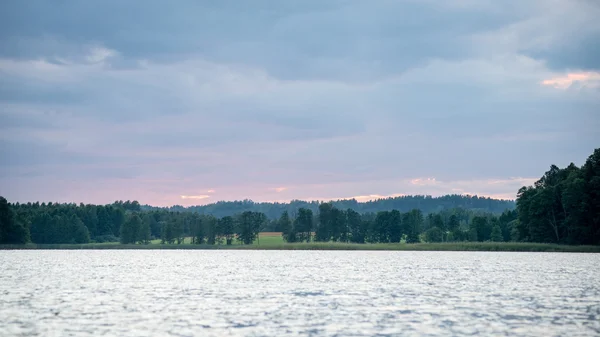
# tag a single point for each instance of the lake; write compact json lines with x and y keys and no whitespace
{"x":290,"y":293}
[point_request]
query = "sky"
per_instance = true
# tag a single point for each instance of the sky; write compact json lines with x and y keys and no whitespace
{"x":191,"y":102}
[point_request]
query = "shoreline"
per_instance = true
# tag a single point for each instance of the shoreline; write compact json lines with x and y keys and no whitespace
{"x":452,"y":246}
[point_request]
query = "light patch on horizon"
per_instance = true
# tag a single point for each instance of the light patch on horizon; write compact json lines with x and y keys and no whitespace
{"x":491,"y":188}
{"x":279,"y":189}
{"x":512,"y":180}
{"x":586,"y":79}
{"x":195,"y":197}
{"x":210,"y":191}
{"x":163,"y":193}
{"x":371,"y":197}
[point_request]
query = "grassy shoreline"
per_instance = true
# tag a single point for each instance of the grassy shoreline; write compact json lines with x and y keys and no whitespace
{"x":451,"y":246}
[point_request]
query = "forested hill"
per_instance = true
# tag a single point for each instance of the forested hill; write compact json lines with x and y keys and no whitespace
{"x":427,"y":204}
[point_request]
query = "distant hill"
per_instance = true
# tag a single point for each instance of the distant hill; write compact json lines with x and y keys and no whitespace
{"x":427,"y":204}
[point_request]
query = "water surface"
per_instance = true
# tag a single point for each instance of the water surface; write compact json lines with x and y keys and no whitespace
{"x":311,"y":293}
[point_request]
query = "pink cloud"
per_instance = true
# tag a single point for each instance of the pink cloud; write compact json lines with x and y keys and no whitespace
{"x":563,"y":82}
{"x":279,"y":189}
{"x":370,"y":197}
{"x":195,"y":197}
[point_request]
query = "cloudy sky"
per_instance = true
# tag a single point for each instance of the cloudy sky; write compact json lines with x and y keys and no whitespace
{"x":190,"y":102}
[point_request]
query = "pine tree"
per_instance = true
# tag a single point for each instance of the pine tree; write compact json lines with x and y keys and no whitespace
{"x":145,"y":233}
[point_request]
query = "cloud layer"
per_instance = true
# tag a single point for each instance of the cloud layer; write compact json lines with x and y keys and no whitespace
{"x":198,"y":102}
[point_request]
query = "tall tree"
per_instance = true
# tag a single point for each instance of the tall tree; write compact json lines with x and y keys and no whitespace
{"x":167,"y":234}
{"x":413,"y":221}
{"x":80,"y":233}
{"x":210,"y":229}
{"x":11,"y":231}
{"x":304,"y":224}
{"x":339,"y":228}
{"x":324,"y":227}
{"x":395,"y":226}
{"x":145,"y":233}
{"x":496,"y":235}
{"x":248,"y":226}
{"x":506,"y":222}
{"x":285,"y":225}
{"x":380,"y":230}
{"x":438,"y":222}
{"x":591,"y":218}
{"x":178,"y":232}
{"x":105,"y":222}
{"x":90,"y":219}
{"x":118,"y":218}
{"x":130,"y":229}
{"x":482,"y":227}
{"x":197,"y":229}
{"x":358,"y":230}
{"x":227,"y":228}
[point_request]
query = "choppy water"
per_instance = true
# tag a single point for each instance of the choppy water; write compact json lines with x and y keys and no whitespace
{"x":316,"y":293}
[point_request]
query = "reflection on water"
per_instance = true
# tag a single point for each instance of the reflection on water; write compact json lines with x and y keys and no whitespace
{"x":316,"y":293}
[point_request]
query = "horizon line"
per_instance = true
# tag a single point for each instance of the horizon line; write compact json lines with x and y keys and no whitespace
{"x":308,"y":200}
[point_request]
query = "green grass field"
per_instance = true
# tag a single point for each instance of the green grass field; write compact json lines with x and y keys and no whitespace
{"x":266,"y":238}
{"x":274,"y":241}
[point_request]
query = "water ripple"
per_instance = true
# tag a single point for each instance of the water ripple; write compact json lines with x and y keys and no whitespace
{"x":293,"y":293}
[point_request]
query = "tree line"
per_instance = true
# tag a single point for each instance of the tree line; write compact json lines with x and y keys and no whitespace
{"x":124,"y":222}
{"x":127,"y":223}
{"x":563,"y":206}
{"x":336,"y":225}
{"x":426,"y":203}
{"x":174,"y":227}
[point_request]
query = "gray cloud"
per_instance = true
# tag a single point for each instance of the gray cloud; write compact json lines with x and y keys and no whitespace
{"x":583,"y":52}
{"x":324,"y":99}
{"x":352,"y":40}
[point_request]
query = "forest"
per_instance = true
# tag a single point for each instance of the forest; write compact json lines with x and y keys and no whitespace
{"x":563,"y":206}
{"x":427,"y":204}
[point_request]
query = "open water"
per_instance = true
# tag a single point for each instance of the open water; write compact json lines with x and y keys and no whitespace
{"x":293,"y":293}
